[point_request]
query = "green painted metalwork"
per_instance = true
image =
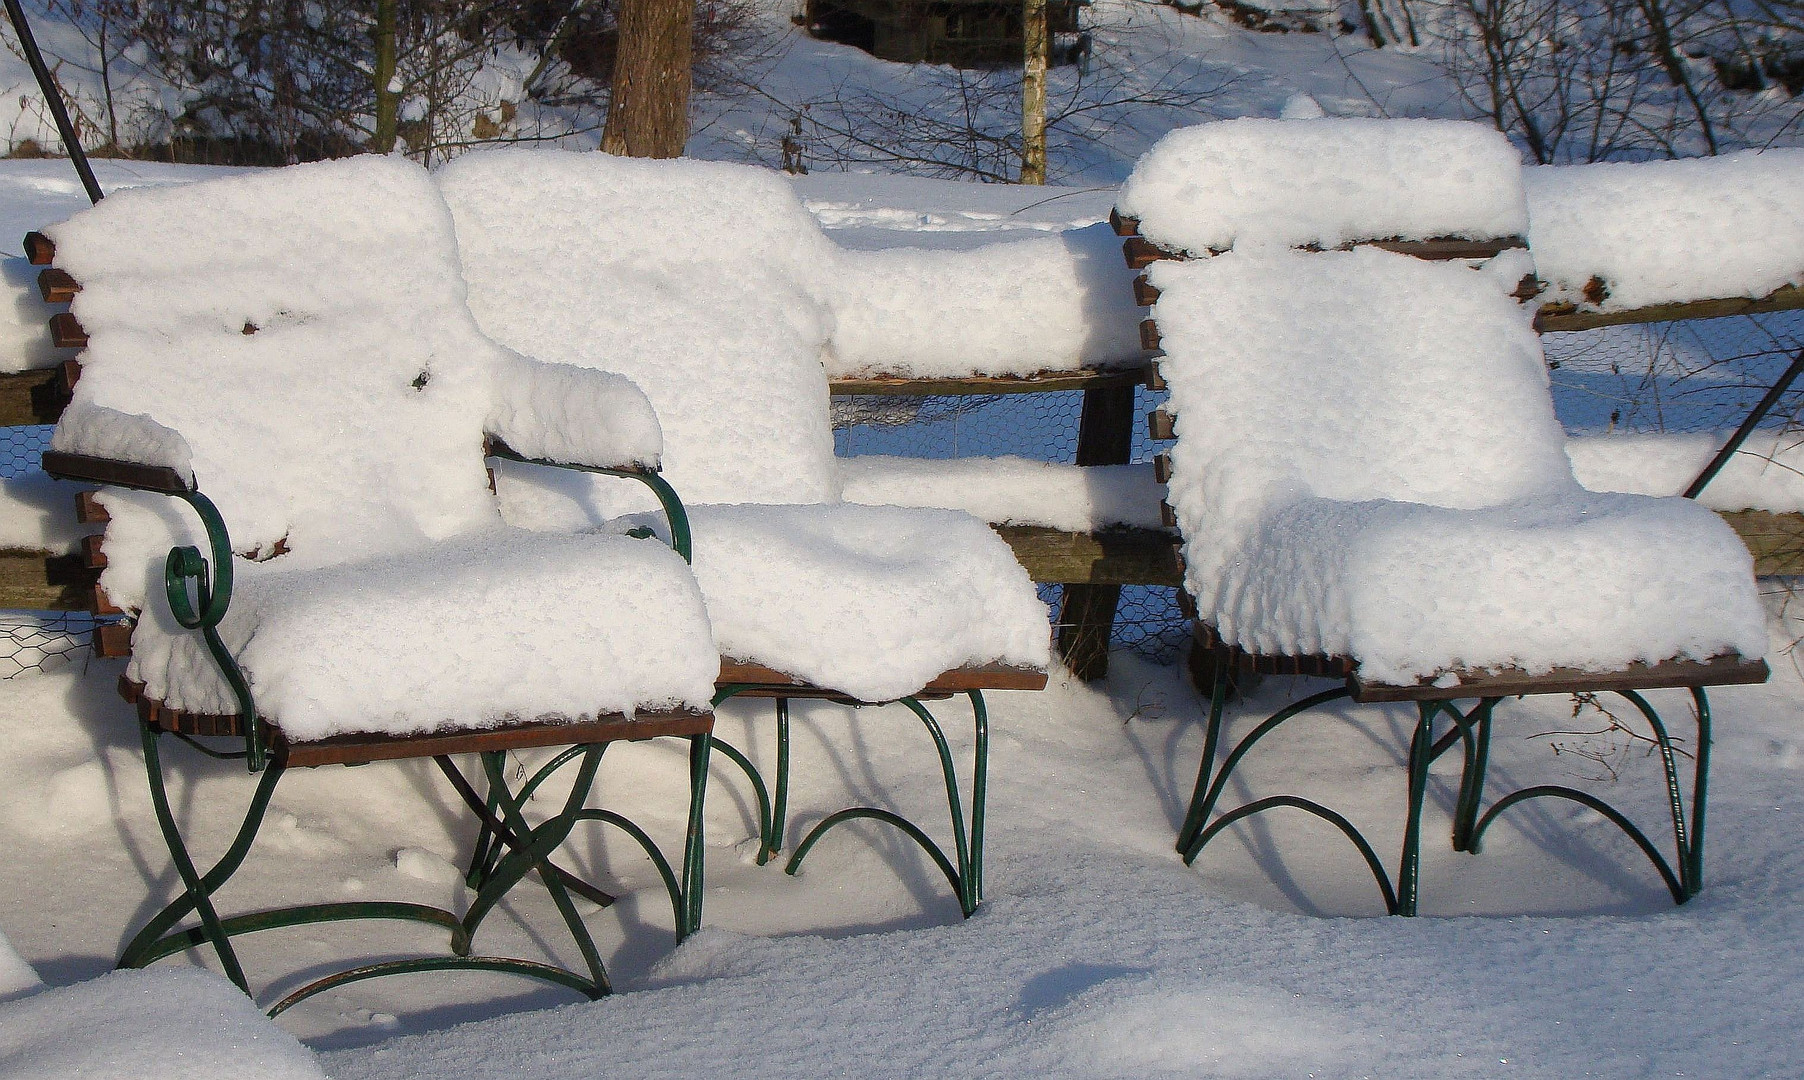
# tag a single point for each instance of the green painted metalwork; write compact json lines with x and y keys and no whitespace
{"x":966,"y":876}
{"x":1684,"y":875}
{"x":1472,"y":729}
{"x":503,"y":964}
{"x":212,"y":587}
{"x":666,"y":495}
{"x":306,"y":914}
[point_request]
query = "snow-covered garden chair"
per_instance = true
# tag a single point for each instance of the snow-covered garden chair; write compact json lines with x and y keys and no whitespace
{"x":1371,"y":483}
{"x":296,"y":342}
{"x":703,"y":283}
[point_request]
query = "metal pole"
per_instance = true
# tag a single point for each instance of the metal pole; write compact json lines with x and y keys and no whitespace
{"x":53,"y":99}
{"x":1747,"y":426}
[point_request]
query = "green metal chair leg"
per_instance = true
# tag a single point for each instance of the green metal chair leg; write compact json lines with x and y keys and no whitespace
{"x":694,"y":848}
{"x":779,"y":812}
{"x":1193,"y":818}
{"x":1421,"y":754}
{"x":536,"y":854}
{"x":965,"y":871}
{"x":199,"y":895}
{"x":1684,"y":875}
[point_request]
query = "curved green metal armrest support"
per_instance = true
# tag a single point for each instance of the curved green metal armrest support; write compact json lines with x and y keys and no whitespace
{"x":212,"y":594}
{"x":667,"y":496}
{"x":212,"y":584}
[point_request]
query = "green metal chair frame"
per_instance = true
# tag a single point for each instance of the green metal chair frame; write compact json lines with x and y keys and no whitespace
{"x":508,"y":848}
{"x":1683,"y":874}
{"x":964,"y":868}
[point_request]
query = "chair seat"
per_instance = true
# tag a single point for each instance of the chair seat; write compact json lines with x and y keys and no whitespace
{"x":872,"y":601}
{"x":477,"y":632}
{"x":1585,"y":581}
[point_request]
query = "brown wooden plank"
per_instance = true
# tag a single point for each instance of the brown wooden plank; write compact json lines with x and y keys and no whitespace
{"x":1141,"y":253}
{"x":1149,"y":335}
{"x":91,"y":554}
{"x":113,"y":640}
{"x":1168,"y":515}
{"x":1156,"y":379}
{"x":1146,"y":294}
{"x":31,"y":397}
{"x":1775,"y":540}
{"x":1562,"y":317}
{"x":99,"y":603}
{"x":1120,"y":556}
{"x":56,"y":286}
{"x":1043,"y":382}
{"x":88,"y":510}
{"x":158,"y":478}
{"x":1721,"y":671}
{"x":1123,"y":226}
{"x":774,"y":683}
{"x":1446,"y":247}
{"x":33,"y":580}
{"x":356,"y":749}
{"x":1160,"y":425}
{"x":39,"y":249}
{"x":1105,"y":436}
{"x":66,"y":331}
{"x":1162,"y":468}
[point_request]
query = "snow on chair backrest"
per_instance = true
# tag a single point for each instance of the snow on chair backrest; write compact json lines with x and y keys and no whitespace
{"x":1352,"y":376}
{"x":1325,"y":182}
{"x":305,"y":331}
{"x":691,"y":278}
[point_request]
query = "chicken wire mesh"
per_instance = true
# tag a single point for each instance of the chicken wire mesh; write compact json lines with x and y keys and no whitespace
{"x":1040,"y":426}
{"x":33,"y":641}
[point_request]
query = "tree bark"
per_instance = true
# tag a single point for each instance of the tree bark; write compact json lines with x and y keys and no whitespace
{"x":1033,"y":91}
{"x":648,"y":110}
{"x":388,"y":103}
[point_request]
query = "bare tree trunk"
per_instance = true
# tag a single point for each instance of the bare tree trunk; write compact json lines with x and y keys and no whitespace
{"x":1033,"y":91}
{"x":648,"y":110}
{"x":388,"y":101}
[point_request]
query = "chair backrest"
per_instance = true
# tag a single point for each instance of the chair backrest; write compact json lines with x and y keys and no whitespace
{"x":1325,"y":182}
{"x":1351,"y":376}
{"x":694,"y":279}
{"x":305,"y":330}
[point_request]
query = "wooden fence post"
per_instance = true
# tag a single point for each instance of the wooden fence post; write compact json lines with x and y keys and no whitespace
{"x":1105,"y":436}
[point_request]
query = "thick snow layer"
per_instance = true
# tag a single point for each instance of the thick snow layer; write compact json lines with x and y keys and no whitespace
{"x":873,"y":601}
{"x":24,"y":319}
{"x":168,"y":1024}
{"x":1055,"y":302}
{"x":98,"y":431}
{"x":1662,"y":232}
{"x":690,"y":278}
{"x":1767,"y":473}
{"x":1325,"y":182}
{"x":16,"y":976}
{"x":559,"y":412}
{"x":467,"y":633}
{"x":1368,"y":465}
{"x":357,"y":399}
{"x":1010,"y":490}
{"x":38,"y":513}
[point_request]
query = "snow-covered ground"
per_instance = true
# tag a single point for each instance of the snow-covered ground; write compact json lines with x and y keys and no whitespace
{"x":1554,"y":953}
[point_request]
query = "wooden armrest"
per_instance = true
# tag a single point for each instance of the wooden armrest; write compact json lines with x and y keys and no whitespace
{"x":498,"y":449}
{"x":114,"y":473}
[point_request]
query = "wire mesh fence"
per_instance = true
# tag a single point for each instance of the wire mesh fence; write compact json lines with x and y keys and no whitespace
{"x":1040,"y":426}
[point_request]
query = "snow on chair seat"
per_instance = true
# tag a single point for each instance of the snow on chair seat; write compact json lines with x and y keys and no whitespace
{"x":1372,"y":487}
{"x":702,"y":283}
{"x":296,"y":344}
